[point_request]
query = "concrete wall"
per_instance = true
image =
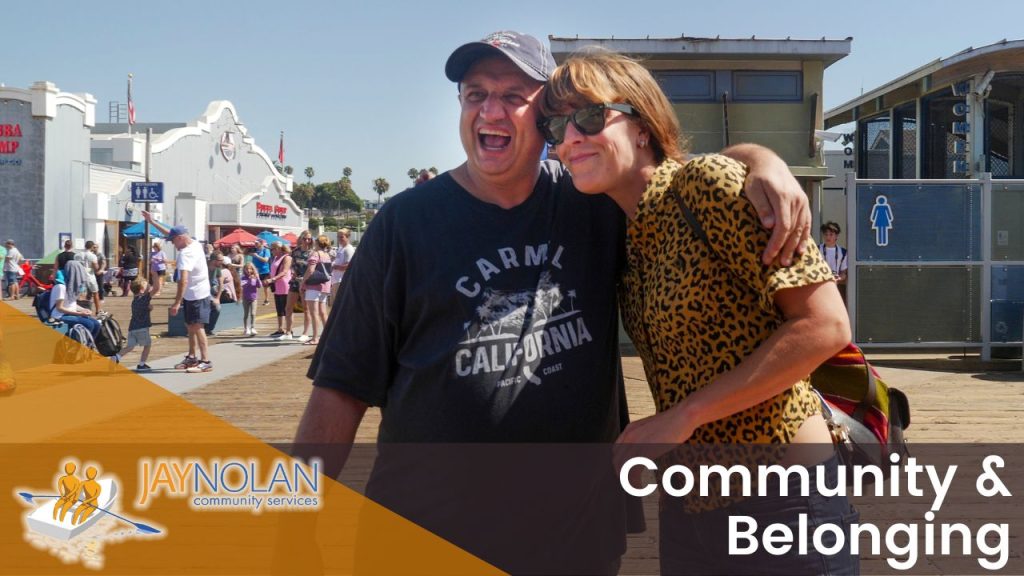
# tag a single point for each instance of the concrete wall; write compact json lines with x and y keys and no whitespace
{"x":66,"y":177}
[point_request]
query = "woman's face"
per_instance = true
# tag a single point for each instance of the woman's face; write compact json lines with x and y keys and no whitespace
{"x":606,"y":160}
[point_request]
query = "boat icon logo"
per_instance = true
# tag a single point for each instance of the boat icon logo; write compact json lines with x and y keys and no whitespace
{"x":79,"y":514}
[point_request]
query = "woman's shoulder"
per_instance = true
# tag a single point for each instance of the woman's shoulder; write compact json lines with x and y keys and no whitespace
{"x":711,"y":176}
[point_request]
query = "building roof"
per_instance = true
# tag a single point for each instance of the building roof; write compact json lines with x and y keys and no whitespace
{"x":122,"y":128}
{"x":1001,"y":56}
{"x":694,"y":48}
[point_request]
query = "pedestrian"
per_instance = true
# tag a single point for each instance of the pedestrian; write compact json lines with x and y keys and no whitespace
{"x":66,"y":255}
{"x":141,"y":321}
{"x":157,"y":267}
{"x":300,"y":262}
{"x":261,"y":259}
{"x":12,"y":270}
{"x":280,"y":279}
{"x":341,"y":261}
{"x":129,"y":265}
{"x":193,"y":294}
{"x":461,"y":348}
{"x":835,"y":255}
{"x":222,"y":289}
{"x":90,"y":261}
{"x":316,"y":292}
{"x":250,"y":293}
{"x":737,"y":382}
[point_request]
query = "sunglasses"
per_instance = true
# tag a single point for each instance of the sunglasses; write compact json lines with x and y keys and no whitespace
{"x":588,"y":121}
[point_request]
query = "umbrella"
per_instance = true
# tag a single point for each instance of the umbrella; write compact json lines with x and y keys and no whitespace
{"x":291,"y":238}
{"x":238,"y":236}
{"x":49,"y":258}
{"x":138,"y":231}
{"x":269,"y":237}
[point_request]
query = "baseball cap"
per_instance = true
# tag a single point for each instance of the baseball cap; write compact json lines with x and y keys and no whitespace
{"x":525,"y":51}
{"x":176,"y":231}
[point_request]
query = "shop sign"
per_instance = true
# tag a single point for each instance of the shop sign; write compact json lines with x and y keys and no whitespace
{"x":227,"y":146}
{"x":271,"y":211}
{"x":8,"y":133}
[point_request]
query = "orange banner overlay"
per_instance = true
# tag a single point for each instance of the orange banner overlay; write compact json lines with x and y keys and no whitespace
{"x":151,"y":483}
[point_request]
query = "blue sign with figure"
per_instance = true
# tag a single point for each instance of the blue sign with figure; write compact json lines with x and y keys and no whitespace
{"x":918,"y":222}
{"x":148,"y":192}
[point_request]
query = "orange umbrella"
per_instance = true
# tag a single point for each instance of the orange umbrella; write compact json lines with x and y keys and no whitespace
{"x":238,"y":236}
{"x":291,"y":238}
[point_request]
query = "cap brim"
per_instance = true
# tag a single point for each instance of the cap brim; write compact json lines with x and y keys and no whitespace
{"x":466,"y":55}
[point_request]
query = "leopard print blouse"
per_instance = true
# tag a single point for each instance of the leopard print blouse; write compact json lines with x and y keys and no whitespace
{"x":693,"y":315}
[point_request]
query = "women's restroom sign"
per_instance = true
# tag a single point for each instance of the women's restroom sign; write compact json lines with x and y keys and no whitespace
{"x":881,"y":220}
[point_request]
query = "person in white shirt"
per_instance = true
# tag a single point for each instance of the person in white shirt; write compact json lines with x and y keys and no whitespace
{"x":193,"y":293}
{"x":341,"y":261}
{"x":12,"y":270}
{"x":835,"y":255}
{"x":64,"y":308}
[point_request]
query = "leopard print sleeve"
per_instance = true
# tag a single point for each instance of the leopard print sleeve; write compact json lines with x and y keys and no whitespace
{"x":712,"y":187}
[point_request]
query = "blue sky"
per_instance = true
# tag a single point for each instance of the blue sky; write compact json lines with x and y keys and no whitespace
{"x":362,"y":84}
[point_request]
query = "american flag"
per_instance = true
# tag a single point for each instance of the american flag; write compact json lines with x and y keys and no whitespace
{"x":131,"y":105}
{"x":280,"y":150}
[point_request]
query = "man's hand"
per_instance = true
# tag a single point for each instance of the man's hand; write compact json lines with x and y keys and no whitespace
{"x":780,"y":201}
{"x":148,"y":217}
{"x":174,"y":309}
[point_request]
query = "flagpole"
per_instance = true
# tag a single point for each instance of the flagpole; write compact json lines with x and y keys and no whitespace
{"x":129,"y":105}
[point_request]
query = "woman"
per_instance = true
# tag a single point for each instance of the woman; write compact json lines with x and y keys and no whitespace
{"x":300,"y":262}
{"x":727,"y":343}
{"x":157,"y":267}
{"x":316,"y":294}
{"x":280,"y":277}
{"x":129,"y":269}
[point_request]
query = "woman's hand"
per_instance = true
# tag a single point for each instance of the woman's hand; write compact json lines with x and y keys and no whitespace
{"x":654,"y":435}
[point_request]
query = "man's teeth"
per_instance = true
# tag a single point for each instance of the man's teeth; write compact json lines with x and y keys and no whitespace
{"x":494,"y":138}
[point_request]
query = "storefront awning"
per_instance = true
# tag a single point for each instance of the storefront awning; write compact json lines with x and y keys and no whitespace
{"x":138,"y":230}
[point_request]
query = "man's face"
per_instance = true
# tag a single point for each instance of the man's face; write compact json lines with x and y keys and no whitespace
{"x":498,"y":125}
{"x":179,"y":241}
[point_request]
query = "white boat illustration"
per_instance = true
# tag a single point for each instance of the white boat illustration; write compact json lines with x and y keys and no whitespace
{"x":41,"y":519}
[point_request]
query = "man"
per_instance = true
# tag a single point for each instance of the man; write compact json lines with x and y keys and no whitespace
{"x":261,"y":260}
{"x":66,"y":255}
{"x":193,"y":293}
{"x":91,"y":261}
{"x":503,"y":329}
{"x":12,"y":270}
{"x":342,"y":259}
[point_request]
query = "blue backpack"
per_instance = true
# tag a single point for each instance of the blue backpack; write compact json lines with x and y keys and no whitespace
{"x":41,"y":302}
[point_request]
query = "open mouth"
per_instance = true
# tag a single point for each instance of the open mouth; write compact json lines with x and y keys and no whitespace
{"x":491,"y":139}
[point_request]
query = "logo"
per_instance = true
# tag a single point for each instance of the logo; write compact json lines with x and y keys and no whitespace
{"x":227,"y":146}
{"x":79,"y":515}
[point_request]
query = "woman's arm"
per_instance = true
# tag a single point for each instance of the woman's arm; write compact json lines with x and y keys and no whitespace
{"x":816,"y":327}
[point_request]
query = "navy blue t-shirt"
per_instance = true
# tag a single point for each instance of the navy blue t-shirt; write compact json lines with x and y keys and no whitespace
{"x":467,"y":322}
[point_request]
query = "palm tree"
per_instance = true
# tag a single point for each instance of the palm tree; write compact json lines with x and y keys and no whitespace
{"x":380,"y":186}
{"x":413,"y":173}
{"x":309,"y":173}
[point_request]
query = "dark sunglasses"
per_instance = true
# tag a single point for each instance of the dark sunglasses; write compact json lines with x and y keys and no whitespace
{"x":588,"y":121}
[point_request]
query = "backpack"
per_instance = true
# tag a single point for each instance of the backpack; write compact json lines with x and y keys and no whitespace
{"x":110,"y":340}
{"x":74,"y":348}
{"x":41,"y":302}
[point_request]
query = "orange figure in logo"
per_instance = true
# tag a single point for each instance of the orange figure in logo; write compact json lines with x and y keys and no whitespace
{"x":67,"y":487}
{"x":91,"y":490}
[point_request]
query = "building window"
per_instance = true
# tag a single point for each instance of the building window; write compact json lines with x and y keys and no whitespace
{"x":781,"y":86}
{"x":999,"y":144}
{"x":687,"y":86}
{"x":875,"y":135}
{"x":905,"y":142}
{"x":944,"y":154}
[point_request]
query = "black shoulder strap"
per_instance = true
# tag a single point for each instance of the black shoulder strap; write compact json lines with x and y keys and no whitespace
{"x":691,"y":219}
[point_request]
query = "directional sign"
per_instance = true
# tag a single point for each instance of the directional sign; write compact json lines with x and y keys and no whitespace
{"x":148,"y":192}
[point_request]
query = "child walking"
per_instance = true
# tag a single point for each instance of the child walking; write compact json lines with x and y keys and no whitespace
{"x":250,"y":292}
{"x":138,"y":328}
